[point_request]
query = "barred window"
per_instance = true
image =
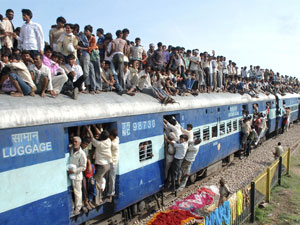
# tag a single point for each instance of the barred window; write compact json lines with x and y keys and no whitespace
{"x":197,"y":134}
{"x":145,"y":150}
{"x":235,"y":125}
{"x":214,"y":131}
{"x":240,"y":124}
{"x":229,"y":129}
{"x":206,"y":134}
{"x":222,"y":129}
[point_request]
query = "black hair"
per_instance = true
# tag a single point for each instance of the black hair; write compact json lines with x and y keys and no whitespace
{"x":114,"y":132}
{"x":15,"y":56}
{"x":1,"y":17}
{"x":100,"y":30}
{"x":108,"y":36}
{"x":70,"y":25}
{"x":279,"y":143}
{"x":27,"y":12}
{"x":48,"y":48}
{"x":137,"y":39}
{"x":76,"y":26}
{"x":61,"y":20}
{"x":104,"y":135}
{"x":71,"y":56}
{"x":172,"y":121}
{"x":54,"y":54}
{"x":118,"y":33}
{"x":159,"y":44}
{"x":107,"y":62}
{"x":86,"y":140}
{"x":190,"y":125}
{"x":188,"y":51}
{"x":89,"y":28}
{"x":5,"y":71}
{"x":38,"y":54}
{"x":184,"y":136}
{"x":125,"y":30}
{"x":25,"y":52}
{"x":9,"y":10}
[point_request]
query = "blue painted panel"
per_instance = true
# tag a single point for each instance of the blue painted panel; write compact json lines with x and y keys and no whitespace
{"x":208,"y":154}
{"x":28,"y":146}
{"x":52,"y":210}
{"x":140,"y":127}
{"x":139,"y":184}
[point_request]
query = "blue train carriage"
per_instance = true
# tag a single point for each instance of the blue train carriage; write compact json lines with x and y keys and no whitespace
{"x":34,"y":147}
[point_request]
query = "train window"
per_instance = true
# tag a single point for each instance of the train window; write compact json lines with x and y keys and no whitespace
{"x":197,"y":134}
{"x":145,"y":150}
{"x":206,"y":111}
{"x":218,"y":109}
{"x":235,"y":127}
{"x":240,"y":124}
{"x":214,"y":131}
{"x":222,"y":129}
{"x":229,"y":129}
{"x":206,"y":134}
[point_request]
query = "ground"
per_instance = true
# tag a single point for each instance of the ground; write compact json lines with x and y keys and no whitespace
{"x":284,"y":207}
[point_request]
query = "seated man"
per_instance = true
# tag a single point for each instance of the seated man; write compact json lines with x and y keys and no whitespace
{"x":76,"y":78}
{"x":58,"y":75}
{"x":42,"y":76}
{"x":107,"y":76}
{"x":20,"y":77}
{"x":132,"y":80}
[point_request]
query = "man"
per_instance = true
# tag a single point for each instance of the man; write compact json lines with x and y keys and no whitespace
{"x":41,"y":75}
{"x":138,"y":53}
{"x":188,"y":132}
{"x":77,"y":158}
{"x":56,"y":31}
{"x":180,"y":152}
{"x":90,"y":60}
{"x":118,"y":49}
{"x":278,"y":151}
{"x":192,"y":151}
{"x":100,"y":43}
{"x":150,"y":54}
{"x":8,"y":28}
{"x":158,"y":57}
{"x":107,"y":76}
{"x":20,"y":77}
{"x":31,"y":36}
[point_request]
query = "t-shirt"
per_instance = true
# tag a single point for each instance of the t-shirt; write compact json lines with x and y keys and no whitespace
{"x":191,"y":152}
{"x":278,"y":151}
{"x":103,"y":155}
{"x":180,"y":150}
{"x":137,"y":52}
{"x":194,"y":66}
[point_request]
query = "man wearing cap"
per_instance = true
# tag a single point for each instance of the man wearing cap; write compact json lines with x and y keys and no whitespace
{"x":78,"y":158}
{"x":150,"y":53}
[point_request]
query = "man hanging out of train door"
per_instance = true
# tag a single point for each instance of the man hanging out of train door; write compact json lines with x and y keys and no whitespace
{"x":78,"y":159}
{"x":192,"y":151}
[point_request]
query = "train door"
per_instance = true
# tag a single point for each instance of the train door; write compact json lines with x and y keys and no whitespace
{"x":170,"y":129}
{"x":92,"y":197}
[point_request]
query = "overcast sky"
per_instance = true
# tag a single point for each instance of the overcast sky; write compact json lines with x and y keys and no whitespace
{"x":257,"y":32}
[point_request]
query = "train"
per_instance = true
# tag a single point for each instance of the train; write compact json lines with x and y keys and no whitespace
{"x":35,"y":187}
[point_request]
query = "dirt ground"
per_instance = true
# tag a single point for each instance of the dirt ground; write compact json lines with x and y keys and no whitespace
{"x":284,"y":207}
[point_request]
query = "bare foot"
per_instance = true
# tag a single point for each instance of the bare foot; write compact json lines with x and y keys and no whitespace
{"x":32,"y":94}
{"x":17,"y":94}
{"x":43,"y":94}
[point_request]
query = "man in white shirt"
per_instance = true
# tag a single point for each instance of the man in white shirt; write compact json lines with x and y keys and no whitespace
{"x":137,"y":52}
{"x":173,"y":126}
{"x":31,"y":34}
{"x":8,"y":28}
{"x":192,"y":151}
{"x":144,"y":79}
{"x":76,"y":77}
{"x":77,"y":158}
{"x":188,"y":131}
{"x":103,"y":159}
{"x":180,"y":150}
{"x":42,"y":76}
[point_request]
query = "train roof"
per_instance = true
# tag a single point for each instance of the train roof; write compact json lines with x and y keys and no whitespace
{"x":31,"y":111}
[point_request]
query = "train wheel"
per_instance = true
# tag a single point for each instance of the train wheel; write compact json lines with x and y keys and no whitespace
{"x":134,"y":210}
{"x":193,"y":178}
{"x":141,"y":206}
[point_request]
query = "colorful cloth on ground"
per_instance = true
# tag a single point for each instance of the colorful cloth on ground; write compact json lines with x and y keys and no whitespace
{"x":239,"y":207}
{"x":195,"y":202}
{"x":232,"y":202}
{"x":223,"y":213}
{"x":174,"y":217}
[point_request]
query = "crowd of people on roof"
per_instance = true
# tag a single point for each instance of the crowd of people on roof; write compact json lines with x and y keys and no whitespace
{"x":77,"y":61}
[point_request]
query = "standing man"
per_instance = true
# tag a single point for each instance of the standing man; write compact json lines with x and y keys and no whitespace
{"x":278,"y":150}
{"x":192,"y":151}
{"x":31,"y":34}
{"x":118,"y":49}
{"x":8,"y":28}
{"x":78,"y":159}
{"x":158,"y":57}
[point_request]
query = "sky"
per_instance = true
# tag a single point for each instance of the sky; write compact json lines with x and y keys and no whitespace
{"x":256,"y":32}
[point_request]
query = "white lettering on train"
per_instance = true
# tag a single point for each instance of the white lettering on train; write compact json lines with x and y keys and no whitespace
{"x":25,"y":144}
